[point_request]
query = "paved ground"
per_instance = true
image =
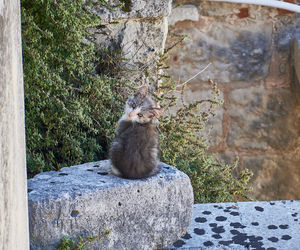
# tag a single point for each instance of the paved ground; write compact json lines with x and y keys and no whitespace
{"x":244,"y":225}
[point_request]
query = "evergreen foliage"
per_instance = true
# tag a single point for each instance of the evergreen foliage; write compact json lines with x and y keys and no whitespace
{"x":68,"y":109}
{"x":73,"y":102}
{"x":80,"y":243}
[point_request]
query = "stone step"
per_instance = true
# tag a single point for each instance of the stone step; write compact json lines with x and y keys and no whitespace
{"x":244,"y":225}
{"x":106,"y":211}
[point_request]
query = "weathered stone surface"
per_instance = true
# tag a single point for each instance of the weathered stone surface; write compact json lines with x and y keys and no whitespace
{"x":268,"y":136}
{"x":285,"y":34}
{"x":243,"y":53}
{"x":184,"y":12}
{"x":281,"y":120}
{"x":267,"y":121}
{"x":227,"y":157}
{"x":133,"y":9}
{"x":243,"y":225}
{"x":139,"y":29}
{"x":275,"y":176}
{"x":249,"y":48}
{"x":192,"y":93}
{"x":248,"y":96}
{"x":295,"y":74}
{"x":141,"y":42}
{"x":213,"y":130}
{"x":245,"y":118}
{"x":86,"y":200}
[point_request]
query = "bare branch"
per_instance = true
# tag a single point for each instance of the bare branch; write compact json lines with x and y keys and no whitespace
{"x":201,"y":71}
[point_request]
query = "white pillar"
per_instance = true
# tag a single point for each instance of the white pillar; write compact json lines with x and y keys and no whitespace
{"x":14,"y":233}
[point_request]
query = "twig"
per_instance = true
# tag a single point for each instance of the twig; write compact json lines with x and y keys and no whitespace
{"x":184,"y":84}
{"x":195,"y":75}
{"x":174,"y":45}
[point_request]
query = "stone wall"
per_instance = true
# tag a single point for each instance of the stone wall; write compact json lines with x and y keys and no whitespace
{"x":249,"y":48}
{"x":139,"y":29}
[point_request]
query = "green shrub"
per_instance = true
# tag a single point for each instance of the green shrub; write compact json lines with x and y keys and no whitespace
{"x":68,"y":109}
{"x":73,"y":101}
{"x":81,"y":242}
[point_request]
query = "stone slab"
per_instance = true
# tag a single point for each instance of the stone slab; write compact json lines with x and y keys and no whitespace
{"x":243,"y":225}
{"x":182,"y":13}
{"x":87,"y":201}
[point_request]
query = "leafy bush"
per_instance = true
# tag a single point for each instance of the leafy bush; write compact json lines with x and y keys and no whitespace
{"x":73,"y":102}
{"x":80,"y":243}
{"x":68,"y":109}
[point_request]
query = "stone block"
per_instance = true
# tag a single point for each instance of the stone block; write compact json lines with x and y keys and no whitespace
{"x":87,"y":201}
{"x":141,"y":41}
{"x":236,"y":53}
{"x":265,"y":121}
{"x":251,"y":96}
{"x":132,"y":9}
{"x":213,"y":129}
{"x":275,"y":176}
{"x":184,"y":12}
{"x":285,"y":34}
{"x":247,"y":128}
{"x":139,"y":29}
{"x":285,"y":31}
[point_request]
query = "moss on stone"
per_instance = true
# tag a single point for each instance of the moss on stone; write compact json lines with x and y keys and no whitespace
{"x":126,"y":5}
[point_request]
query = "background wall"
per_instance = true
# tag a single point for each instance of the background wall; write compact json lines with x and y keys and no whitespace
{"x":249,"y":48}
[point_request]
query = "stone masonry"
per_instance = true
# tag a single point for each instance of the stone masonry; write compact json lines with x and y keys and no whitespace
{"x":249,"y":49}
{"x":139,"y":29}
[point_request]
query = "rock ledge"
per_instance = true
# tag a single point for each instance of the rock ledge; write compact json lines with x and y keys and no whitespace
{"x":86,"y":200}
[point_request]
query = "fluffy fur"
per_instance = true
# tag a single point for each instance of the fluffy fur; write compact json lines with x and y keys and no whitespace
{"x":134,"y":152}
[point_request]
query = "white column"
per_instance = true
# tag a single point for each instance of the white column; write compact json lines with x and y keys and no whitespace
{"x":14,"y":233}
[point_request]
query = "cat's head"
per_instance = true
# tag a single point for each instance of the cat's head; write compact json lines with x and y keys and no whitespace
{"x":141,"y":108}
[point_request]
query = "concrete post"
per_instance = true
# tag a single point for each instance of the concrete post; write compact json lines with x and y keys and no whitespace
{"x":14,"y":233}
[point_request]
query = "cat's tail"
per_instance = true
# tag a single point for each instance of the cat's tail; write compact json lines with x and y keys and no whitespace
{"x":153,"y":172}
{"x":156,"y":170}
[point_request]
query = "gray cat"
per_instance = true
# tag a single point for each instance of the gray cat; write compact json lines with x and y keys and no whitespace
{"x":134,"y":152}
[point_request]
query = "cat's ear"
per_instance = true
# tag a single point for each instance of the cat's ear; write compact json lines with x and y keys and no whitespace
{"x":156,"y":112}
{"x":142,"y":91}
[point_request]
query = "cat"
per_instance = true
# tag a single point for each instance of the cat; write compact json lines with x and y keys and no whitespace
{"x":134,"y":152}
